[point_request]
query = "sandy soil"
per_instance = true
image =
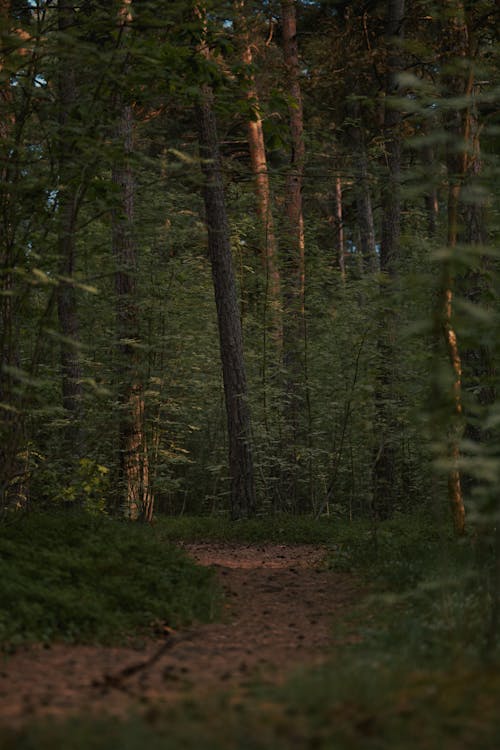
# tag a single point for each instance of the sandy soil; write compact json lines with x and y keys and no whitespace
{"x":282,"y":604}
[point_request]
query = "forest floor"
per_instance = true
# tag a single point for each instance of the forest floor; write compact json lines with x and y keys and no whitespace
{"x":280,"y":610}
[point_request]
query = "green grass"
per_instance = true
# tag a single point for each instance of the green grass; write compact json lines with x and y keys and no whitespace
{"x":434,"y":595}
{"x":280,"y":529}
{"x":82,"y":578}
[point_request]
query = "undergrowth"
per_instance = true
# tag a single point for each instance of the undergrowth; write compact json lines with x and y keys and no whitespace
{"x":86,"y":578}
{"x":435,"y":596}
{"x":280,"y":529}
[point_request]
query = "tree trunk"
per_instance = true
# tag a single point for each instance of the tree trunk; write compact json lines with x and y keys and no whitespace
{"x":364,"y":210}
{"x":68,"y":204}
{"x":243,"y":500}
{"x":339,"y":227}
{"x":293,"y":255}
{"x":431,"y":200}
{"x":258,"y":160}
{"x":14,"y":464}
{"x":384,"y":467}
{"x":134,"y":462}
{"x":455,"y":51}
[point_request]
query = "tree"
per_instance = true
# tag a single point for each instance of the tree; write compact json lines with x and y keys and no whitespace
{"x":258,"y":160}
{"x":364,"y":209}
{"x":134,"y":462}
{"x":71,"y":187}
{"x":15,"y":50}
{"x":384,"y":465}
{"x":243,"y":500}
{"x":293,"y":250}
{"x":455,"y":50}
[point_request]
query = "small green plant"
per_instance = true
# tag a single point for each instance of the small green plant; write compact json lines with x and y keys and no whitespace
{"x":89,"y":488}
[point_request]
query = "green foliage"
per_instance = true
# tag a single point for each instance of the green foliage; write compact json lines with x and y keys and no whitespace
{"x":90,"y":487}
{"x":444,"y":590}
{"x":84,"y":578}
{"x":282,"y":528}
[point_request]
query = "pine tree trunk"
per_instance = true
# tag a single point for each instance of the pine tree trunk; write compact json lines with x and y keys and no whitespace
{"x":293,"y":252}
{"x":14,"y":464}
{"x":455,"y":39}
{"x":68,"y":204}
{"x":9,"y":420}
{"x":243,"y":502}
{"x":339,"y":227}
{"x":138,"y":501}
{"x":385,"y":461}
{"x":431,"y":201}
{"x":258,"y":160}
{"x":364,"y":210}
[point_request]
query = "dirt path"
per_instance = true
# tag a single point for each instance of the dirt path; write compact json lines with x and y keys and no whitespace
{"x":281,"y":607}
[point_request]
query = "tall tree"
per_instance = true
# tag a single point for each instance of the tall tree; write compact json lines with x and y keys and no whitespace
{"x":137,"y":497}
{"x":293,"y":248}
{"x":70,"y":193}
{"x":458,"y":81}
{"x":243,"y":498}
{"x":384,"y":466}
{"x":258,"y":160}
{"x":15,"y":50}
{"x":364,"y":208}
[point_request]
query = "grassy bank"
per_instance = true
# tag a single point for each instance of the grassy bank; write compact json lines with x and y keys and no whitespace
{"x":83,"y":578}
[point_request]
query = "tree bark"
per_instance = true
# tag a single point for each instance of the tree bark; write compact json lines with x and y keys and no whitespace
{"x":455,"y":49}
{"x":364,"y":209}
{"x":384,"y":466}
{"x":258,"y":160}
{"x":15,"y":47}
{"x":339,"y":227}
{"x":293,"y":254}
{"x":134,"y":461}
{"x":68,"y":205}
{"x":243,"y":501}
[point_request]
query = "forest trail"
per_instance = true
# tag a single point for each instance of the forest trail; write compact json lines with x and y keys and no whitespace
{"x":281,"y":605}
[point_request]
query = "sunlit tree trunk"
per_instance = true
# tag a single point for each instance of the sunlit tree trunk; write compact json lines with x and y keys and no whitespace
{"x":226,"y":300}
{"x":258,"y":160}
{"x":384,"y":466}
{"x":458,"y":81}
{"x":293,"y":251}
{"x":138,"y":500}
{"x":242,"y":491}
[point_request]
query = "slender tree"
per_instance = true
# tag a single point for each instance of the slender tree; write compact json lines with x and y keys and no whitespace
{"x":456,"y":54}
{"x":134,"y":463}
{"x":293,"y":249}
{"x":258,"y":160}
{"x":384,"y":466}
{"x":15,"y":48}
{"x":70,"y":193}
{"x":361,"y":180}
{"x":243,"y":499}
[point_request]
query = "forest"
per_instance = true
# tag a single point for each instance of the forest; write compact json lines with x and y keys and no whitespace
{"x":249,"y":341}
